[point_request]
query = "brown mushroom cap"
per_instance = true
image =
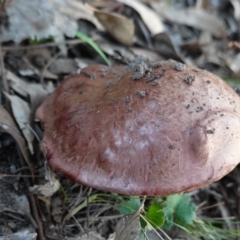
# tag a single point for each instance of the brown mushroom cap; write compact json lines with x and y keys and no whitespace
{"x":145,"y":129}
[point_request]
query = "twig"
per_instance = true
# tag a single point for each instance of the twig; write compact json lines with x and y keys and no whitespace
{"x":43,"y":45}
{"x":14,"y":175}
{"x":33,"y":201}
{"x":87,"y":217}
{"x":4,"y":81}
{"x":57,"y":55}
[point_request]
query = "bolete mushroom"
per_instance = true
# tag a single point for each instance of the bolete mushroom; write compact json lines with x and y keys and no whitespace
{"x":145,"y":129}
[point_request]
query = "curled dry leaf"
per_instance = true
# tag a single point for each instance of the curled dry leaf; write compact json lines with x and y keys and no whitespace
{"x":47,"y":189}
{"x":8,"y":125}
{"x":233,"y":64}
{"x":198,"y":19}
{"x":233,"y":57}
{"x":151,"y":19}
{"x":118,"y":26}
{"x":236,"y":6}
{"x":166,"y":46}
{"x":22,"y":112}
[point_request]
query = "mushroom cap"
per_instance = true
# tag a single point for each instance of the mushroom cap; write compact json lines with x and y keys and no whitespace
{"x":145,"y":129}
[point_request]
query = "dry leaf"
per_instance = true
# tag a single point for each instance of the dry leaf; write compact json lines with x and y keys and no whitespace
{"x":38,"y":93}
{"x":36,"y":20}
{"x":234,"y":65}
{"x":118,"y":26}
{"x":116,"y":51}
{"x":14,"y":80}
{"x":84,"y":12}
{"x":22,"y":112}
{"x":21,"y":235}
{"x":47,"y":189}
{"x":45,"y":73}
{"x":197,"y":18}
{"x":63,"y":66}
{"x":151,"y":19}
{"x":11,"y":202}
{"x":35,"y":91}
{"x":236,"y":6}
{"x":149,"y":54}
{"x":128,"y":227}
{"x":165,"y":45}
{"x":111,"y":236}
{"x":8,"y":125}
{"x":210,"y":50}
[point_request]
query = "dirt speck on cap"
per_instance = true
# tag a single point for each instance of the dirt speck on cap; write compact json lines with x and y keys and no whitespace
{"x":141,"y":93}
{"x":179,"y":66}
{"x":127,"y":100}
{"x":189,"y":79}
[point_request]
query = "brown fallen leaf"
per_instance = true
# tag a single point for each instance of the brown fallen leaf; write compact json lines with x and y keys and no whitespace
{"x":119,"y":27}
{"x":8,"y":125}
{"x":22,"y":112}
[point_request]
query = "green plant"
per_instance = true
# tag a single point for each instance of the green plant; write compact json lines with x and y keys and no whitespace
{"x":175,"y":211}
{"x":91,"y":43}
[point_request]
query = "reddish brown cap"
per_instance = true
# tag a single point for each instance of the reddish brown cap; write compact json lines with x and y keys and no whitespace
{"x":145,"y":129}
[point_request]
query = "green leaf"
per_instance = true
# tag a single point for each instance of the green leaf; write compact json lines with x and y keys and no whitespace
{"x":91,"y":43}
{"x":39,"y":41}
{"x":179,"y":209}
{"x":168,"y":212}
{"x":130,"y":206}
{"x":155,"y":215}
{"x":185,"y":211}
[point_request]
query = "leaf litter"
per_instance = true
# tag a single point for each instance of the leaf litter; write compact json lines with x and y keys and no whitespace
{"x":118,"y":26}
{"x":8,"y":125}
{"x":21,"y":111}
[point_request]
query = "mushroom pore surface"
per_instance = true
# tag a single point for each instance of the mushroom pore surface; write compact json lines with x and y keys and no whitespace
{"x":145,"y":129}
